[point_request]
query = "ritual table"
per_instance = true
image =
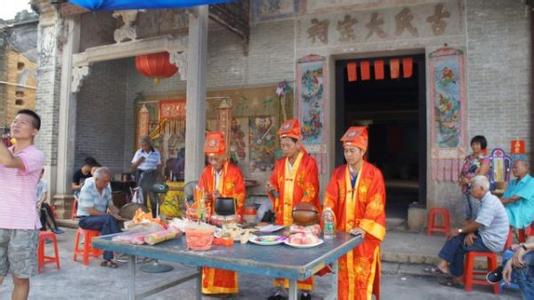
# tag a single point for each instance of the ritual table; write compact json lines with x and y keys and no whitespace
{"x":280,"y":261}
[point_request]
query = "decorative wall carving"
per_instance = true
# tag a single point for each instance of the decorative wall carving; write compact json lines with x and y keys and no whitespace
{"x":179,"y":58}
{"x":78,"y":74}
{"x":127,"y":31}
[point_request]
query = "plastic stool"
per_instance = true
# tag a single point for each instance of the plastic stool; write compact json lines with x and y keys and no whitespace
{"x":42,"y":259}
{"x":509,"y":240}
{"x":522,"y":235}
{"x":432,"y":214}
{"x":469,"y":272}
{"x":87,"y":249}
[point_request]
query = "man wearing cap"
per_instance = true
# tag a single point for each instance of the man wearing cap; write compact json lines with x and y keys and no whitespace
{"x":220,"y":179}
{"x":356,"y":194}
{"x":294,"y":179}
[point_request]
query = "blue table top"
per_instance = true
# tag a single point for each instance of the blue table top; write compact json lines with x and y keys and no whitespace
{"x":280,"y":261}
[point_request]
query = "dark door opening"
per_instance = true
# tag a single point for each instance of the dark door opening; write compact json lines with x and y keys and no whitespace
{"x":395,"y":112}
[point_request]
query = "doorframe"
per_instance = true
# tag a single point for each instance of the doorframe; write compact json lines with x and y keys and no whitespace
{"x":339,"y":108}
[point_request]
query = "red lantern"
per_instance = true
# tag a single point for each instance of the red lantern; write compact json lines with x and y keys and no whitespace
{"x":155,"y":65}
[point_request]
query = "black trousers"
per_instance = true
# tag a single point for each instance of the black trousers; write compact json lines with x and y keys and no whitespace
{"x":146,"y":179}
{"x":47,"y":217}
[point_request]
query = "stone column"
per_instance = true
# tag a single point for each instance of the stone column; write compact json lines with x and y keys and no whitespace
{"x":67,"y":119}
{"x":67,"y":109}
{"x":48,"y":87}
{"x":196,"y":93}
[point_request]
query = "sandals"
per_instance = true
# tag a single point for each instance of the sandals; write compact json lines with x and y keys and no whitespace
{"x":434,"y":270}
{"x":449,"y":282}
{"x":109,"y":264}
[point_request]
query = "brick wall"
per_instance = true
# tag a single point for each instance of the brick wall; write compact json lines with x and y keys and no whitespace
{"x":100,"y":117}
{"x":498,"y":57}
{"x":22,"y":71}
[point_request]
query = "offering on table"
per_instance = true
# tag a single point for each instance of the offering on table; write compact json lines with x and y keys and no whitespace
{"x":161,"y":236}
{"x":265,"y":227}
{"x":199,"y":236}
{"x":305,"y":214}
{"x":224,"y":241}
{"x":303,"y":240}
{"x":314,"y":229}
{"x":136,"y":238}
{"x":267,"y":240}
{"x":236,"y":233}
{"x":144,"y":222}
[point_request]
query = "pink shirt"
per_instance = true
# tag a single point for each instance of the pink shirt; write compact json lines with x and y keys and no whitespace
{"x":18,"y":191}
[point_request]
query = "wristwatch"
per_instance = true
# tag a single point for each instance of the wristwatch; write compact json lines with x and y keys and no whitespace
{"x":460,"y":230}
{"x":524,"y":247}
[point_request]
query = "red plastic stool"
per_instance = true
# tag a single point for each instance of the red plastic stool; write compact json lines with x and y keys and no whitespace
{"x":522,"y":235}
{"x":42,"y":259}
{"x":509,"y":240}
{"x":87,"y":249}
{"x":432,"y":214}
{"x":469,"y":272}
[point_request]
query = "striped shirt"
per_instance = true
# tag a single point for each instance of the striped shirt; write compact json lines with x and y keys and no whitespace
{"x":90,"y":197}
{"x":494,"y":220}
{"x":18,"y":190}
{"x":152,"y":159}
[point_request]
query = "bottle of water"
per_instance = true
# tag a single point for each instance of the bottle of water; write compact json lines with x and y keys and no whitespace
{"x":329,"y":221}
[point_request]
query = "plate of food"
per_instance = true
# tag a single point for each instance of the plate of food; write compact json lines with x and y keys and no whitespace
{"x":301,"y":240}
{"x":267,"y":240}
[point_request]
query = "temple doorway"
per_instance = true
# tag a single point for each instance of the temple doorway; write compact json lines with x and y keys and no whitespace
{"x":388,"y":95}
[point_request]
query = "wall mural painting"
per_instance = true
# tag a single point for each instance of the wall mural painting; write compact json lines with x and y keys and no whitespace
{"x":448,"y":96}
{"x":239,"y":140}
{"x":312,"y":108}
{"x":262,"y":139}
{"x":263,"y":10}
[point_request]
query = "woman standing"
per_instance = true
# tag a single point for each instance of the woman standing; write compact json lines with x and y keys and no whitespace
{"x":476,"y":163}
{"x":146,"y":162}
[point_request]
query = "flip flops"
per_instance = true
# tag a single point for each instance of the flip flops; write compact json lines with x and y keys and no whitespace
{"x":434,"y":270}
{"x":451,"y":283}
{"x":109,"y":264}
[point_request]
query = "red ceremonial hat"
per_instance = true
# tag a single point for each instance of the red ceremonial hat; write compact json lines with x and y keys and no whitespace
{"x":214,"y":144}
{"x":356,"y":136}
{"x":290,"y":128}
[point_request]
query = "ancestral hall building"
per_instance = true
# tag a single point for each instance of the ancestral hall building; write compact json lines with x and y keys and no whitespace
{"x":424,"y":75}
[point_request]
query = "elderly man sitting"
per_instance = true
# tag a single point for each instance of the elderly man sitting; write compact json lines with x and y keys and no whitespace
{"x":488,"y":232}
{"x":518,"y":268}
{"x":96,"y":210}
{"x":519,"y":197}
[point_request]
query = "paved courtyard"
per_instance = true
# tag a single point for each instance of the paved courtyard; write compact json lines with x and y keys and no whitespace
{"x":76,"y":281}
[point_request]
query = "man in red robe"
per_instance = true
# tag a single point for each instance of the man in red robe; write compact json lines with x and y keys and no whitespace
{"x":356,"y":194}
{"x":220,"y":179}
{"x":294,"y":179}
